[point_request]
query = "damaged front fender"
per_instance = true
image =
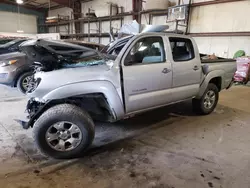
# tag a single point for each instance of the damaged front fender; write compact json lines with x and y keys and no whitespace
{"x":35,"y":109}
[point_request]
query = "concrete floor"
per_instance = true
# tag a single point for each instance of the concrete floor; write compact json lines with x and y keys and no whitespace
{"x":170,"y":147}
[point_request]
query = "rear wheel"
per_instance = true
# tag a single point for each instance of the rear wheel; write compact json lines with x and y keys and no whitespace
{"x":207,"y":103}
{"x":25,"y":81}
{"x":64,"y":131}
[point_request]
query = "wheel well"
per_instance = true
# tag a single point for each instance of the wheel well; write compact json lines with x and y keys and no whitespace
{"x":216,"y":81}
{"x":95,"y":104}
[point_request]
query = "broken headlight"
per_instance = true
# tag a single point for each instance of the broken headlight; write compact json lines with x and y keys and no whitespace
{"x":7,"y":63}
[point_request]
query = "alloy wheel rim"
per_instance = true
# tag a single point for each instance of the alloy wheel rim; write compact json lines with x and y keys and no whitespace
{"x":28,"y":83}
{"x":209,"y":99}
{"x":63,"y":136}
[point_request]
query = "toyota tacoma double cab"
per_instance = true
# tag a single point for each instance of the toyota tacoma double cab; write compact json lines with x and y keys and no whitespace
{"x":152,"y":70}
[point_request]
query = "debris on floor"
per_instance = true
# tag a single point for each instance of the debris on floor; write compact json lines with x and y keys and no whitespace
{"x":168,"y":147}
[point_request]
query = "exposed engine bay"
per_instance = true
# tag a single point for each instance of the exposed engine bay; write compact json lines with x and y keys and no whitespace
{"x":52,"y":55}
{"x":49,"y":55}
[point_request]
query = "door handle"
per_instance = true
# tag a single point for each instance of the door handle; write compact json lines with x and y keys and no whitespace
{"x":196,"y":68}
{"x":166,"y":70}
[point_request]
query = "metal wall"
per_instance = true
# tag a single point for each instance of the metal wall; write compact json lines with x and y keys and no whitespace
{"x":226,"y":17}
{"x":9,"y":22}
{"x":39,"y":16}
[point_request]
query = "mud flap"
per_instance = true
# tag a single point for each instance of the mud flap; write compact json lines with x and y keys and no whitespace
{"x":24,"y":124}
{"x":230,"y":85}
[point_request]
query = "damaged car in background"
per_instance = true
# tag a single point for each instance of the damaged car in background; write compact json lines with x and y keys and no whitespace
{"x":152,"y":70}
{"x":17,"y":68}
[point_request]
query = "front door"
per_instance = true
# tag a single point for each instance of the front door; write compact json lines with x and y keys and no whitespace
{"x":147,"y":76}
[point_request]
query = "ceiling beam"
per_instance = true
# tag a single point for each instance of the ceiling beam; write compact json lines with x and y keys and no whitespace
{"x":220,"y":34}
{"x":24,"y":5}
{"x":63,"y":2}
{"x":213,"y":2}
{"x":28,"y":1}
{"x":57,"y":7}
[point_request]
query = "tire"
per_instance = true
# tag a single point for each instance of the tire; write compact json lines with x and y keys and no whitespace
{"x":63,"y":113}
{"x":201,"y":106}
{"x":20,"y":82}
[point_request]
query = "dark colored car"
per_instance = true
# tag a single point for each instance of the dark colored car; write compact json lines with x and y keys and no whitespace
{"x":15,"y":70}
{"x":12,"y":46}
{"x":5,"y":40}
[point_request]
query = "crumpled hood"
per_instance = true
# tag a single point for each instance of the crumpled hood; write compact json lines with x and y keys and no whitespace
{"x":44,"y":51}
{"x":58,"y":78}
{"x":12,"y":55}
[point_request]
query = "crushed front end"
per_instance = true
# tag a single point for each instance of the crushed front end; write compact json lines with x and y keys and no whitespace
{"x":34,"y":109}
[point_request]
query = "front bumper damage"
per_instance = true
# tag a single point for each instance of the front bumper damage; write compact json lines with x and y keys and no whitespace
{"x":34,"y":109}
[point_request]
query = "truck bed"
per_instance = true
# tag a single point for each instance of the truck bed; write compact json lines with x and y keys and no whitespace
{"x":203,"y":61}
{"x":209,"y":65}
{"x":219,"y":60}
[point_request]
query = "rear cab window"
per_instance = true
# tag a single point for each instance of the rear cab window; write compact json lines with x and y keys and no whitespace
{"x":182,"y":49}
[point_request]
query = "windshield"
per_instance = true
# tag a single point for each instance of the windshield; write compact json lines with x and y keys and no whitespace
{"x":8,"y":44}
{"x":4,"y":41}
{"x":116,"y":46}
{"x":84,"y":62}
{"x":105,"y":49}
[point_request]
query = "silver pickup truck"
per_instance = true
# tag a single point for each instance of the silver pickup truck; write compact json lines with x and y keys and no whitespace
{"x":152,"y":70}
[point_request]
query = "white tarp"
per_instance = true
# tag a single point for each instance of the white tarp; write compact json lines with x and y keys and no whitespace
{"x":135,"y":28}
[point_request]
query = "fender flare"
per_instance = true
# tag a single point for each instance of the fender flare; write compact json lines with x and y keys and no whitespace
{"x":82,"y":88}
{"x":208,"y":78}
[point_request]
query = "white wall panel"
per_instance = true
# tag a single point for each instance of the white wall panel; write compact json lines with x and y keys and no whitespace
{"x":96,"y":4}
{"x":9,"y":22}
{"x":225,"y":17}
{"x":160,"y":20}
{"x":223,"y":46}
{"x":145,"y":19}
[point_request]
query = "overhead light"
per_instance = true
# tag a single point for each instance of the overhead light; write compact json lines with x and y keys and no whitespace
{"x":19,"y":1}
{"x":19,"y":31}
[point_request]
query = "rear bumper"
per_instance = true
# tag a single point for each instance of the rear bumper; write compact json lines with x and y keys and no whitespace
{"x":7,"y":76}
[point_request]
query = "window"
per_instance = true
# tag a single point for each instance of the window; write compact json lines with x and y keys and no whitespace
{"x":146,"y":50}
{"x":182,"y":49}
{"x":115,"y":47}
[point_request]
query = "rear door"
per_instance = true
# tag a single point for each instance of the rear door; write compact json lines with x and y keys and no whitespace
{"x":147,"y":75}
{"x":186,"y":68}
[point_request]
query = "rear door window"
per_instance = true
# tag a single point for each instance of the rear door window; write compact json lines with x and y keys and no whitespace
{"x":182,"y":49}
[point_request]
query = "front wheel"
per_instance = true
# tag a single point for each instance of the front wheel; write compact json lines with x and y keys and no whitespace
{"x":25,"y":81}
{"x":207,"y":103}
{"x":64,"y":131}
